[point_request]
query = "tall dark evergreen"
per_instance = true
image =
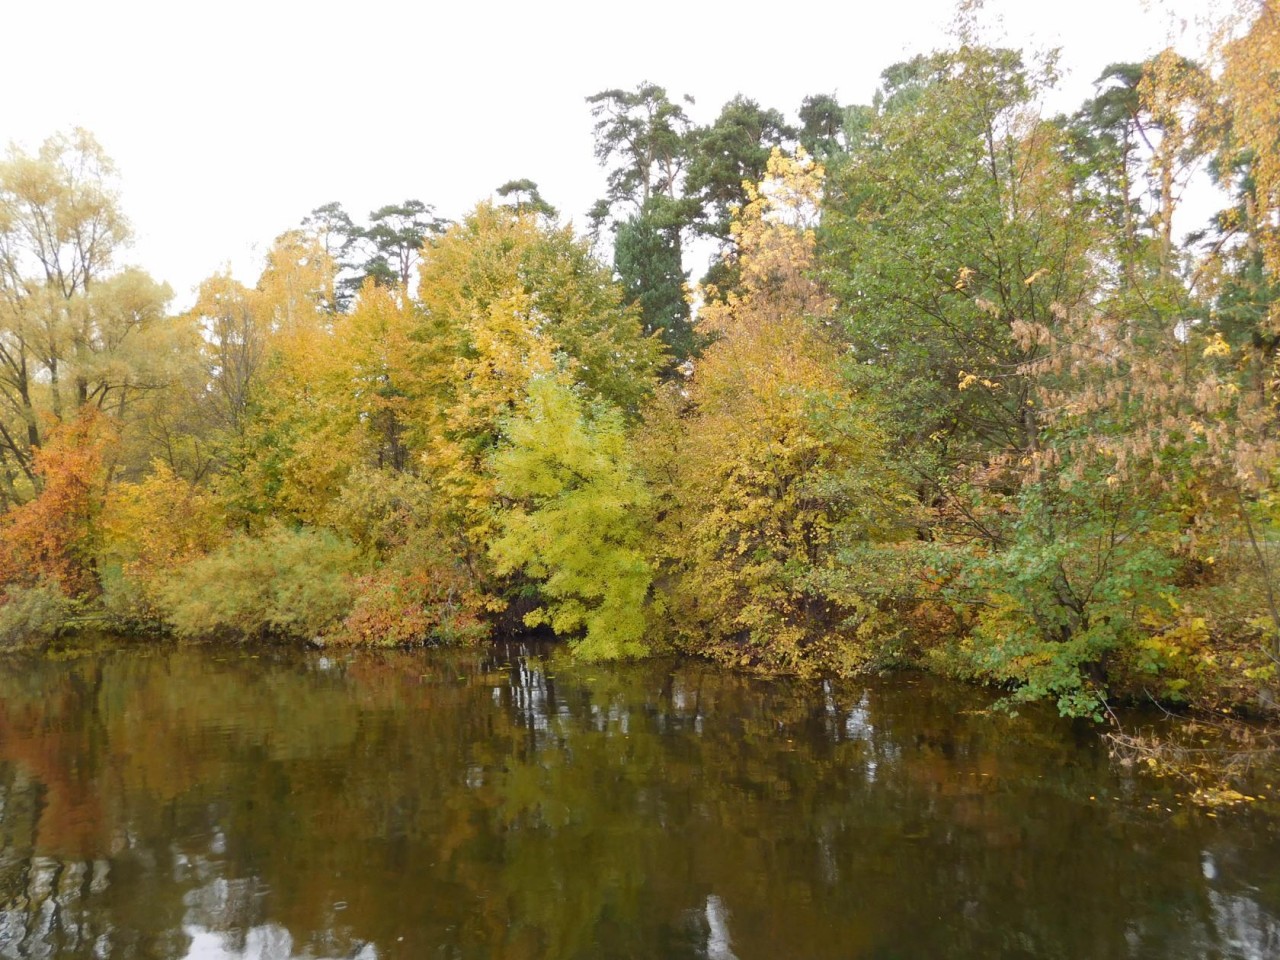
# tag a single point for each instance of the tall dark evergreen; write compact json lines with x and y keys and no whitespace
{"x":733,"y":150}
{"x":523,"y":196}
{"x":644,"y":140}
{"x":647,"y":259}
{"x":395,"y":236}
{"x":822,"y":123}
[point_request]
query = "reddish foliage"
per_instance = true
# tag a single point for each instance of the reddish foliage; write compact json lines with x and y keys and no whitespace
{"x":49,"y":538}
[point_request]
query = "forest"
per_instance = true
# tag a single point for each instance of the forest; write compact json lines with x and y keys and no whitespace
{"x":963,"y":390}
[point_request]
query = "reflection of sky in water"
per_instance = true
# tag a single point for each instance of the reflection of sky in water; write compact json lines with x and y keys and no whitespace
{"x":218,"y":922}
{"x":529,"y":693}
{"x":857,"y":726}
{"x":1244,"y":927}
{"x":718,"y":941}
{"x":267,"y":942}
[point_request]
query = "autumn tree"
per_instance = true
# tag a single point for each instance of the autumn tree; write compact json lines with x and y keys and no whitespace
{"x":506,"y":298}
{"x":236,"y":331}
{"x":1158,"y":452}
{"x":75,"y":331}
{"x":1247,"y":243}
{"x":284,"y":458}
{"x":51,"y":539}
{"x":575,"y":519}
{"x":770,"y":470}
{"x":335,"y":400}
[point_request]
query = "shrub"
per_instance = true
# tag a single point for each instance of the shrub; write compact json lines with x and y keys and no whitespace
{"x":380,"y":509}
{"x":147,"y":530}
{"x":283,"y":584}
{"x":32,"y":613}
{"x":419,"y":597}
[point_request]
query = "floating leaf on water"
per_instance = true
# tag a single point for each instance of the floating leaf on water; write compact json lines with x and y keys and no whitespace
{"x":1219,"y":797}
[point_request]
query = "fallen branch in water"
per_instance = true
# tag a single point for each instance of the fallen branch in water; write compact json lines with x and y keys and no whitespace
{"x":1213,"y":756}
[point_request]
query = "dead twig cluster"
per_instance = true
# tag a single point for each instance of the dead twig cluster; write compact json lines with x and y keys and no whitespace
{"x":1215,"y":757}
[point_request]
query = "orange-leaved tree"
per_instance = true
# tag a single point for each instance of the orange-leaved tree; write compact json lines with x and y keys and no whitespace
{"x":51,"y":538}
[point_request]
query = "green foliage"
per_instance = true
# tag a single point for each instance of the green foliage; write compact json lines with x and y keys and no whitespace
{"x":384,"y":251}
{"x":822,"y":125}
{"x":523,"y":196}
{"x":287,"y":584}
{"x":644,"y":137}
{"x":946,"y":227}
{"x":395,"y":236}
{"x":733,"y":151}
{"x":646,"y":255}
{"x":576,"y":521}
{"x":1083,"y":566}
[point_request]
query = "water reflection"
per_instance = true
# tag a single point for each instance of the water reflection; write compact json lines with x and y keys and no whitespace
{"x":718,"y":931}
{"x":212,"y":805}
{"x":267,"y":942}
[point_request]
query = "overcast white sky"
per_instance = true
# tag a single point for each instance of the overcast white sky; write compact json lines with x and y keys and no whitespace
{"x":229,"y":121}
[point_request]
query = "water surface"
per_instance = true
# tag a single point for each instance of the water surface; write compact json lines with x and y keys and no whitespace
{"x":211,"y":804}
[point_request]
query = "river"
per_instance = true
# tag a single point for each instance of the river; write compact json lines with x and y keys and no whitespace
{"x":221,"y":803}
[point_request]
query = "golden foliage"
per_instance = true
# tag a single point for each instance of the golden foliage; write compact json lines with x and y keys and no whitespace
{"x":1250,"y":79}
{"x":150,"y":528}
{"x":507,"y":299}
{"x":773,"y":467}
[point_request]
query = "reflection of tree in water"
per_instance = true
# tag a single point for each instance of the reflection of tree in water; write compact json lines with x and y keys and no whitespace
{"x":218,"y":805}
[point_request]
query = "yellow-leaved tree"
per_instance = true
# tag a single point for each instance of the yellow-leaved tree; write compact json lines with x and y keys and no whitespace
{"x":292,"y":451}
{"x":78,"y":331}
{"x":1250,"y":75}
{"x":772,"y":475}
{"x":508,"y":298}
{"x":576,"y":520}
